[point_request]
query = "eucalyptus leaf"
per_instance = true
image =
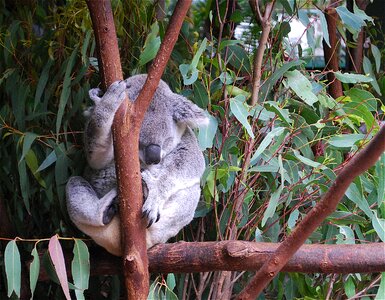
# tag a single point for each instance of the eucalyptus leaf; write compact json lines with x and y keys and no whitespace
{"x":301,"y":86}
{"x":12,"y":268}
{"x":240,"y":111}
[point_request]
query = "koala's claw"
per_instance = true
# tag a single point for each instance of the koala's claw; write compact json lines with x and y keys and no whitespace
{"x":95,"y":95}
{"x":157,"y":217}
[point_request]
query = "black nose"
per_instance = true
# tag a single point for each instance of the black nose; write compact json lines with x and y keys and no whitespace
{"x":152,"y":154}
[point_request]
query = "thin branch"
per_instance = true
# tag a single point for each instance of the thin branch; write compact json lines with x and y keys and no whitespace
{"x":356,"y":166}
{"x":258,"y":59}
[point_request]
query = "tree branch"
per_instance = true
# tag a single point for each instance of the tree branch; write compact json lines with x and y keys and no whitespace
{"x":331,"y":54}
{"x":356,"y":166}
{"x":258,"y":59}
{"x":126,"y":128}
{"x":184,"y":257}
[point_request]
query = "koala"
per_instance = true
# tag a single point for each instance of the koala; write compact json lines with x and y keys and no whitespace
{"x":171,"y":166}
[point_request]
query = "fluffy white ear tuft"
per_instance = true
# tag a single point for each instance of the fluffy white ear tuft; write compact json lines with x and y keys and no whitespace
{"x":186,"y":112}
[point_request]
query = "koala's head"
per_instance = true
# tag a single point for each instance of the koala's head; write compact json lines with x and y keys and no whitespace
{"x":165,"y":121}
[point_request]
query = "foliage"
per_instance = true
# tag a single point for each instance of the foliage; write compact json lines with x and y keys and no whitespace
{"x":267,"y":165}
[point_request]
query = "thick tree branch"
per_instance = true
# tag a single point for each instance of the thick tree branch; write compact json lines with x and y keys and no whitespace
{"x":258,"y":59}
{"x":126,"y":128}
{"x":356,"y":166}
{"x":186,"y":257}
{"x":331,"y":54}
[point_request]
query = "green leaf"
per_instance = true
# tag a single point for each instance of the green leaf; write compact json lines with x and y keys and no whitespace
{"x":345,"y":141}
{"x":380,"y":172}
{"x":282,"y":113}
{"x":240,"y":111}
{"x":34,"y":270}
{"x":367,"y":66}
{"x":57,"y":257}
{"x":272,"y":206}
{"x":378,"y":225}
{"x":201,"y":97}
{"x":12,"y":268}
{"x":301,"y":86}
{"x":151,"y":45}
{"x":381,"y":289}
{"x":171,"y":281}
{"x":350,"y":288}
{"x":190,"y":72}
{"x":239,"y":59}
{"x":49,"y":160}
{"x":356,"y":196}
{"x":80,"y":268}
{"x":42,"y":83}
{"x":28,"y":140}
{"x":24,"y":184}
{"x":353,"y":22}
{"x":377,"y":57}
{"x":364,"y":97}
{"x":66,"y":91}
{"x":277,"y":131}
{"x":32,"y":164}
{"x":307,"y":161}
{"x":324,"y":27}
{"x":348,"y":233}
{"x":273,"y":79}
{"x":207,"y":133}
{"x":352,"y":78}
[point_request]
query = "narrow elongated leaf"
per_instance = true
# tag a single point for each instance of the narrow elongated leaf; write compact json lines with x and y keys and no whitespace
{"x":12,"y":268}
{"x":80,"y":268}
{"x":190,"y":72}
{"x":65,"y":94}
{"x":379,"y":226}
{"x":324,"y":27}
{"x":381,"y":289}
{"x":32,"y":164}
{"x":57,"y":257}
{"x":34,"y":269}
{"x":380,"y":171}
{"x":207,"y":133}
{"x":29,"y":138}
{"x":352,"y":21}
{"x":266,"y":142}
{"x":42,"y":83}
{"x":49,"y":160}
{"x":272,"y":206}
{"x":301,"y":86}
{"x":273,"y":79}
{"x":240,"y":111}
{"x":377,"y":57}
{"x":24,"y":183}
{"x":345,"y":141}
{"x":201,"y":97}
{"x":352,"y":78}
{"x":368,"y":69}
{"x":151,"y":45}
{"x":356,"y":196}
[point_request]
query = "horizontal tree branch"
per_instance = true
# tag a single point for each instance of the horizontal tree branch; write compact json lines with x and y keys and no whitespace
{"x":192,"y":257}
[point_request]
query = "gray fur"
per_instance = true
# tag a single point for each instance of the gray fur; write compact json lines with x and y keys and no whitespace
{"x":171,"y":175}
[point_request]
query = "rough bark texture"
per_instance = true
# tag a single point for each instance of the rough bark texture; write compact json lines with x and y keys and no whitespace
{"x":331,"y":53}
{"x":126,"y":128}
{"x":356,"y":166}
{"x":126,"y":157}
{"x":196,"y":257}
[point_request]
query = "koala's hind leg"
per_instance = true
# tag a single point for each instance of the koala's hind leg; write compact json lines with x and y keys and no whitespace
{"x":85,"y":207}
{"x":177,"y":212}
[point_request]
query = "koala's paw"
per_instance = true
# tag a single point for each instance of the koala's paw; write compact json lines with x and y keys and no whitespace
{"x":151,"y":211}
{"x":111,"y":211}
{"x":95,"y":95}
{"x":116,"y":93}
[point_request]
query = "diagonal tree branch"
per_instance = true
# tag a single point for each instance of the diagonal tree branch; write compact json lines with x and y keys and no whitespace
{"x":126,"y":128}
{"x":356,"y":166}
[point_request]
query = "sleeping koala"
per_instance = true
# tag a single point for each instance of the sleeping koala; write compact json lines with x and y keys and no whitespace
{"x":171,"y":166}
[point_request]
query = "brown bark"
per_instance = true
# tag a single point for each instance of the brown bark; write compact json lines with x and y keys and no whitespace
{"x":258,"y":59}
{"x":126,"y":128}
{"x":361,"y":162}
{"x":331,"y":53}
{"x":186,"y":257}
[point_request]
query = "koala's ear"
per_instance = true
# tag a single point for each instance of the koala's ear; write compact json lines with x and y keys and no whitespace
{"x":184,"y":111}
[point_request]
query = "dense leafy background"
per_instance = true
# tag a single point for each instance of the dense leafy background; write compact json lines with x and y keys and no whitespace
{"x":267,"y":165}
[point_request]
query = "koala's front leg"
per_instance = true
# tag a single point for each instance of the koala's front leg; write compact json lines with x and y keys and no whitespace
{"x":98,"y":137}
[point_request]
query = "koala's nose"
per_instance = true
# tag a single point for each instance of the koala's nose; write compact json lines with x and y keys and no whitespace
{"x":152,"y":154}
